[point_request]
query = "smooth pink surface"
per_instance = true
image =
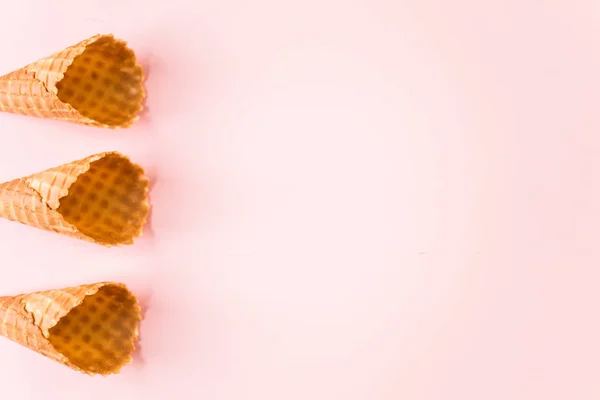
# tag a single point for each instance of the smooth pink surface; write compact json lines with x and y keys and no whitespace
{"x":357,"y":200}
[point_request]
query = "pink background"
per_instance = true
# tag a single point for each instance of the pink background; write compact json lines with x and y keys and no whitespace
{"x":374,"y":200}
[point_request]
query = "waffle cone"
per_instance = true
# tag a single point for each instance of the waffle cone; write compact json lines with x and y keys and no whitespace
{"x":90,"y":328}
{"x":102,"y":199}
{"x":95,"y":82}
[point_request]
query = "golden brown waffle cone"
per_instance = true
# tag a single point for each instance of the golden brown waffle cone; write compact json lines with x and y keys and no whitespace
{"x":95,"y":82}
{"x":90,"y":328}
{"x":102,"y":199}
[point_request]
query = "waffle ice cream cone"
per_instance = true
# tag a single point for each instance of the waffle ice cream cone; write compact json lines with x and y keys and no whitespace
{"x":102,"y":199}
{"x":90,"y":328}
{"x":95,"y":82}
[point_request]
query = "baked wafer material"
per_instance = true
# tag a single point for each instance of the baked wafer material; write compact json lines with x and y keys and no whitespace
{"x":95,"y":82}
{"x":102,"y":199}
{"x":90,"y":328}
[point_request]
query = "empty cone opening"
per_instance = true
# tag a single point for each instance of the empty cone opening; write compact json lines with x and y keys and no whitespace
{"x":98,"y":336}
{"x":108,"y":203}
{"x":104,"y":83}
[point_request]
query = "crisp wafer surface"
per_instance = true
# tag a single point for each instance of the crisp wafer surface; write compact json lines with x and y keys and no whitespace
{"x":90,"y":328}
{"x":102,"y":198}
{"x":98,"y":335}
{"x":104,"y":83}
{"x":107,"y":202}
{"x":95,"y":82}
